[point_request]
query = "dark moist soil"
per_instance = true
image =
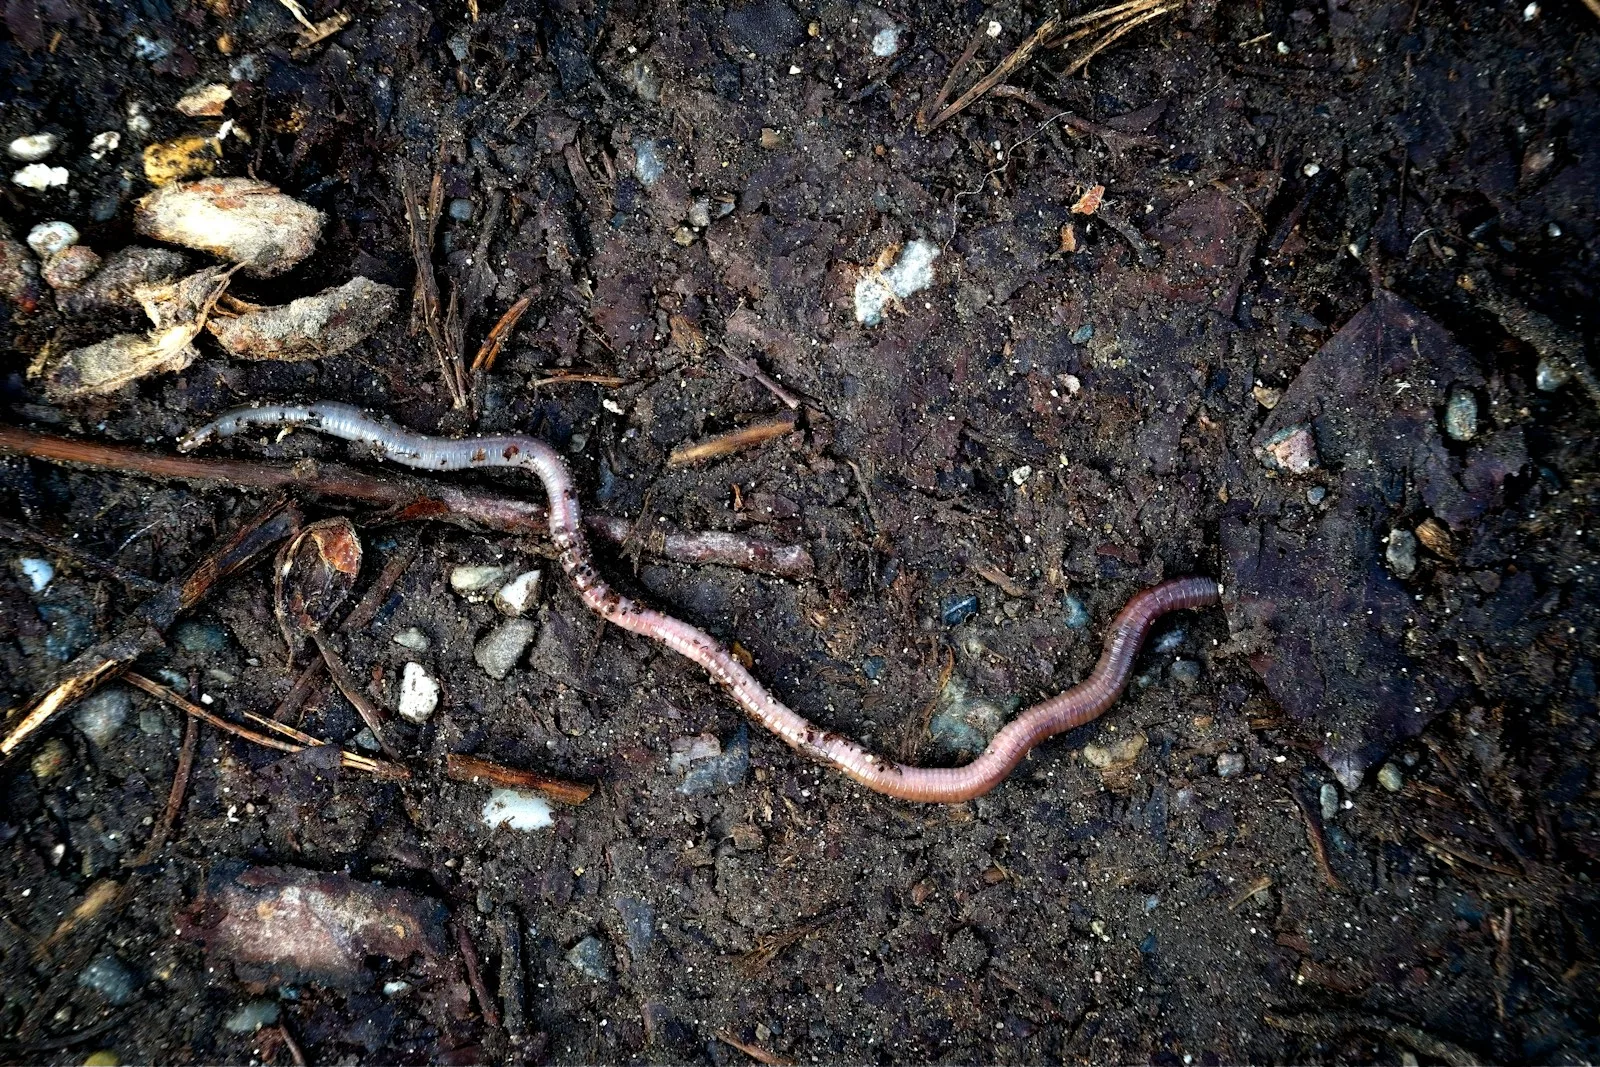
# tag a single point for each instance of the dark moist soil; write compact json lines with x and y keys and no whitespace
{"x":1330,"y":201}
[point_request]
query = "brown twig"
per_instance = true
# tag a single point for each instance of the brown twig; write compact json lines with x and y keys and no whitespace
{"x":298,"y":692}
{"x":484,"y":362}
{"x":1460,"y":852}
{"x":469,"y":959}
{"x":378,"y":592}
{"x":347,"y":685}
{"x":755,"y":1052}
{"x":421,"y":227}
{"x":581,"y":378}
{"x":752,"y":370}
{"x":917,"y":725}
{"x":180,"y":785}
{"x":1003,"y":70}
{"x":144,"y":633}
{"x":733,"y":441}
{"x":472,"y":770}
{"x":410,"y":499}
{"x":1110,"y":38}
{"x":934,"y":106}
{"x":295,"y":1052}
{"x":1317,"y":839}
{"x":352,"y":760}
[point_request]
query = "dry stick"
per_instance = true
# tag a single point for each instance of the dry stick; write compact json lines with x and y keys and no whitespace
{"x":426,"y":295}
{"x":180,"y":785}
{"x":752,"y":370}
{"x":755,"y":1052}
{"x":484,"y":362}
{"x":298,"y":692}
{"x":375,"y":595}
{"x":413,"y":498}
{"x":609,"y":380}
{"x":1319,"y":843}
{"x":347,"y":685}
{"x":1003,"y":70}
{"x":289,"y":1042}
{"x":469,"y":957}
{"x":472,"y":770}
{"x":145,"y":632}
{"x":933,"y":106}
{"x":733,"y":441}
{"x":1106,"y":41}
{"x":352,"y":760}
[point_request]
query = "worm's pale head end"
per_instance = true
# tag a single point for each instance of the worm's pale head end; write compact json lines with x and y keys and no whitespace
{"x":197,"y":437}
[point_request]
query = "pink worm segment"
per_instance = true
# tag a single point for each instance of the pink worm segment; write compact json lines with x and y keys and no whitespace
{"x":1076,"y":706}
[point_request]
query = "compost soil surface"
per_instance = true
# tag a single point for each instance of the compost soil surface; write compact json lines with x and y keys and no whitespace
{"x":1313,"y":223}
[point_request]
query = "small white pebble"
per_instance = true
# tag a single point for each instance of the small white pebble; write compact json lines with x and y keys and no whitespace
{"x":33,"y":147}
{"x":39,"y":572}
{"x":138,"y":121}
{"x":1283,"y":48}
{"x":1311,"y":170}
{"x":517,"y":595}
{"x":469,"y":579}
{"x":518,"y":810}
{"x":419,"y":694}
{"x":40,"y":176}
{"x":413,"y":639}
{"x":1530,"y":12}
{"x":1021,"y":475}
{"x":794,"y":69}
{"x":104,"y":143}
{"x":886,"y":42}
{"x":994,"y":28}
{"x":48,"y":238}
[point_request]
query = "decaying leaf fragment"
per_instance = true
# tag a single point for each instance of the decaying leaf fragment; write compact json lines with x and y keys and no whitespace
{"x":322,"y":325}
{"x":239,"y":219}
{"x":315,"y":573}
{"x":178,"y":311}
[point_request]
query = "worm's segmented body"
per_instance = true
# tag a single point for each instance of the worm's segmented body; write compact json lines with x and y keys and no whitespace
{"x":1072,"y":708}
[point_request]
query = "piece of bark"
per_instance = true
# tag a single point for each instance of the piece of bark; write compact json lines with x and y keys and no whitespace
{"x":326,"y":324}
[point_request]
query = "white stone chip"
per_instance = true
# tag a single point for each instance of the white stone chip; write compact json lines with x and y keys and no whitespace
{"x":419,"y":694}
{"x":40,"y":176}
{"x":33,"y":147}
{"x":519,"y":594}
{"x":517,"y":810}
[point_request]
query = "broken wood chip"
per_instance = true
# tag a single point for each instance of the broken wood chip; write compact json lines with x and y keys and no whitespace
{"x":333,"y":321}
{"x":238,"y":219}
{"x":178,"y":311}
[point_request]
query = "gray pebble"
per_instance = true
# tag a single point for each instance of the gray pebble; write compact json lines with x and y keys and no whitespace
{"x":1316,"y":495}
{"x":1230,"y":764}
{"x":1402,"y":552}
{"x":252,"y":1017}
{"x":1328,"y":797}
{"x":151,"y":723}
{"x":366,"y":740}
{"x":721,"y":771}
{"x":1076,"y":615}
{"x":1390,"y":778}
{"x":1186,"y":672}
{"x":1083,"y":334}
{"x":1551,"y":375}
{"x":1461,"y":415}
{"x":102,"y":715}
{"x":499,"y":652}
{"x":111,"y":978}
{"x":591,"y":957}
{"x":201,"y":638}
{"x":461,"y":209}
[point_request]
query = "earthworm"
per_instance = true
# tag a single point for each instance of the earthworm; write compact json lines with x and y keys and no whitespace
{"x":1072,"y":708}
